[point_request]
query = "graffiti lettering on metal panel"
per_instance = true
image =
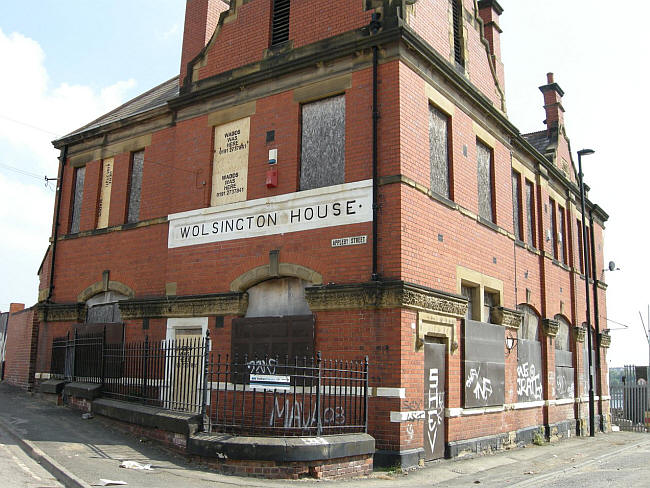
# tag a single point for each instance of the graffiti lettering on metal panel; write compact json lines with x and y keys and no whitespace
{"x":482,"y":386}
{"x":563,"y":386}
{"x":528,"y":382}
{"x":262,"y":366}
{"x":435,"y":407}
{"x":293,"y":415}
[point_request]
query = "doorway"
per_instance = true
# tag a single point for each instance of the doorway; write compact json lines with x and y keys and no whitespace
{"x":434,"y":400}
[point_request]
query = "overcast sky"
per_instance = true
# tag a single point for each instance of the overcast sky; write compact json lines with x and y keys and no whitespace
{"x":65,"y":62}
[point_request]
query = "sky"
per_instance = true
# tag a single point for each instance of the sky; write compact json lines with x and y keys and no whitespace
{"x":66,"y":62}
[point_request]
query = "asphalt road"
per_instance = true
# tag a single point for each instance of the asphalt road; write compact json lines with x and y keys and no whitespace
{"x":19,"y":470}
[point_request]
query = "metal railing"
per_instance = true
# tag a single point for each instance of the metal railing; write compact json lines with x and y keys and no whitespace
{"x":168,"y":374}
{"x":628,"y":406}
{"x":246,"y":396}
{"x":299,"y":397}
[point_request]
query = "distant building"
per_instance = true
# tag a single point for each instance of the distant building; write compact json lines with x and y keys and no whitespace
{"x":343,"y":177}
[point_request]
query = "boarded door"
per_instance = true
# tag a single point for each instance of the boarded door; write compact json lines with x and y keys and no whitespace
{"x":188,"y":364}
{"x":434,"y":401}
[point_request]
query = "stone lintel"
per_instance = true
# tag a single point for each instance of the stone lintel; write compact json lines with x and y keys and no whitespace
{"x":385,"y":294}
{"x":62,"y":312}
{"x":506,"y":317}
{"x":185,"y":306}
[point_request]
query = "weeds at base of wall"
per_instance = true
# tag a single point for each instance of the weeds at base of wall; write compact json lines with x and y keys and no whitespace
{"x":538,"y":437}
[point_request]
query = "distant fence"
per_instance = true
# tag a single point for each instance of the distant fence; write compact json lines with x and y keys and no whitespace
{"x":629,"y":405}
{"x":266,"y":396}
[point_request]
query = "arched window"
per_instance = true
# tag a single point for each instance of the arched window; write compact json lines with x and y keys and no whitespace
{"x":103,"y":308}
{"x":564,"y":371}
{"x":529,"y":357}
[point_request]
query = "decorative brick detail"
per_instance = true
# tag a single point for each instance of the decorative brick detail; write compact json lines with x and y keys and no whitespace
{"x":391,"y":294}
{"x":550,"y":327}
{"x":62,"y":312}
{"x":579,"y":332}
{"x":202,"y":306}
{"x":605,"y":340}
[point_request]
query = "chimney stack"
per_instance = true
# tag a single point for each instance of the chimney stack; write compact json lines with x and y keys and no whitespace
{"x":16,"y":307}
{"x":201,"y":18}
{"x":552,"y":103}
{"x":489,"y":11}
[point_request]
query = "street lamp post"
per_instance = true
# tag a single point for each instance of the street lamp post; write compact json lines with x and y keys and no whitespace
{"x":585,"y":261}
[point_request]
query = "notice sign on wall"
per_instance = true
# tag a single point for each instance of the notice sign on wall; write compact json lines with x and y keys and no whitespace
{"x":104,"y":204}
{"x":350,"y":203}
{"x":230,"y":162}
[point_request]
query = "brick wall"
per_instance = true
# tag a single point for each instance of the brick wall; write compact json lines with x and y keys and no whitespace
{"x":20,"y":356}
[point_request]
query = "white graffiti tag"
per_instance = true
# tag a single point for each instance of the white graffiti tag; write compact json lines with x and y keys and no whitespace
{"x":435,"y":407}
{"x":528,"y":382}
{"x":262,"y":366}
{"x":482,"y":388}
{"x":564,"y":387}
{"x":293,"y":415}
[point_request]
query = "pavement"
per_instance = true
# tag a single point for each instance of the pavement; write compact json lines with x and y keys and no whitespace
{"x":44,"y":445}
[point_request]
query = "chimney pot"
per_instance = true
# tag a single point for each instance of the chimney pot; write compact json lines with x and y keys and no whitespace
{"x":549,"y":78}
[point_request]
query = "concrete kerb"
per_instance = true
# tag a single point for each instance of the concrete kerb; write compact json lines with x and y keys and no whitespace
{"x":54,"y":468}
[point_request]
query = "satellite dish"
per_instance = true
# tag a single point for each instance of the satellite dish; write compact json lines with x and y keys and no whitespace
{"x":612,"y":266}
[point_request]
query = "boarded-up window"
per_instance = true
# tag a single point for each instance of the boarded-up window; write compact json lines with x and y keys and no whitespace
{"x":484,"y":166}
{"x":439,"y":151}
{"x":77,"y":198}
{"x":564,"y":380}
{"x":560,"y":235}
{"x":530,"y":212}
{"x":104,"y":309}
{"x":581,"y":246}
{"x":529,"y":358}
{"x":484,"y":364}
{"x":553,"y":223}
{"x":585,"y":359}
{"x":135,"y":186}
{"x":322,"y":159}
{"x":516,"y":204}
{"x":272,"y":337}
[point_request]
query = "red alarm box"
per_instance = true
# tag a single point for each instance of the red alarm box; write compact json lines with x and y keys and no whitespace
{"x":272,"y":177}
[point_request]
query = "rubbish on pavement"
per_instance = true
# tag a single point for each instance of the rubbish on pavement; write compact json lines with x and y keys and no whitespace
{"x":87,"y":416}
{"x":135,"y":465}
{"x":105,"y":482}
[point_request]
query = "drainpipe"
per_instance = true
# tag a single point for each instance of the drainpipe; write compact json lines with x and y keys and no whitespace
{"x":374,"y":27}
{"x":55,"y":234}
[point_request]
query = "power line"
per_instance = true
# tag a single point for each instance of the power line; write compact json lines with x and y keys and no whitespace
{"x":28,"y":125}
{"x":22,"y":171}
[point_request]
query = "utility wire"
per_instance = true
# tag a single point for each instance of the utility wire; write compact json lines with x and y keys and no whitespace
{"x":28,"y":125}
{"x":22,"y":171}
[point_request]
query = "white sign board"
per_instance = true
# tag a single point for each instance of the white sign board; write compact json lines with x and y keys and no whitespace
{"x":349,"y":241}
{"x":350,"y":203}
{"x":230,"y":162}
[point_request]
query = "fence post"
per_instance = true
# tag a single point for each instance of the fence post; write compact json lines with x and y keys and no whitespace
{"x":103,"y":367}
{"x":318,"y":397}
{"x":74,"y":356}
{"x":146,"y":365}
{"x":206,"y":358}
{"x":365,"y":394}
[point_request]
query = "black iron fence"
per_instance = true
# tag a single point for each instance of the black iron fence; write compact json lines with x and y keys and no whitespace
{"x":248,"y":396}
{"x":168,"y":374}
{"x":283,"y":397}
{"x":629,"y":406}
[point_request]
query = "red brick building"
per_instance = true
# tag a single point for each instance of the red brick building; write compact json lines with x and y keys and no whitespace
{"x":351,"y":163}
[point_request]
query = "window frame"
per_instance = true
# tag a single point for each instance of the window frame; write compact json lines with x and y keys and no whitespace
{"x":129,"y":194}
{"x":490,"y":183}
{"x":449,"y":149}
{"x":517,"y":210}
{"x":74,"y":204}
{"x":530,"y":212}
{"x":301,"y":153}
